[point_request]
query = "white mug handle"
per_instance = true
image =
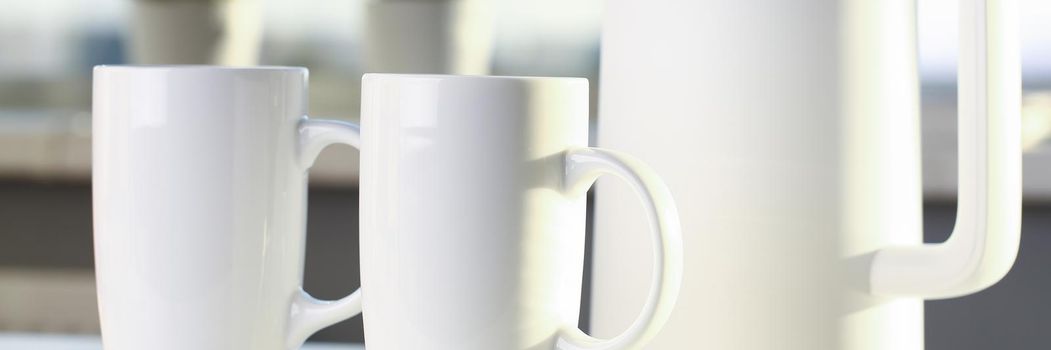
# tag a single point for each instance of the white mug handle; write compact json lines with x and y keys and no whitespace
{"x":582,"y":167}
{"x":308,"y":314}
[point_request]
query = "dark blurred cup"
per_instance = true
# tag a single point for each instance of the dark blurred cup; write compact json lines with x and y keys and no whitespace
{"x":217,"y":32}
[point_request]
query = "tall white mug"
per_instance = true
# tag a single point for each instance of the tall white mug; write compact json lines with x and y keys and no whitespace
{"x":199,"y":177}
{"x":473,"y":198}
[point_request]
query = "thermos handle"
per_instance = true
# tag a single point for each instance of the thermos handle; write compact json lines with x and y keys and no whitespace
{"x":308,"y":315}
{"x":584,"y":166}
{"x":984,"y":242}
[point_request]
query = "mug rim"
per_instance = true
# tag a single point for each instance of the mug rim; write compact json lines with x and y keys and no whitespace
{"x":368,"y":76}
{"x":196,"y":67}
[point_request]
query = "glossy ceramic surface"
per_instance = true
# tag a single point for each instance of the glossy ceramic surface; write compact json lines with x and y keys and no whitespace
{"x":473,"y":200}
{"x":789,"y":132}
{"x":199,"y":178}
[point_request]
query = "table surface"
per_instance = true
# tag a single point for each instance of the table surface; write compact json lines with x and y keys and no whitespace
{"x":38,"y":341}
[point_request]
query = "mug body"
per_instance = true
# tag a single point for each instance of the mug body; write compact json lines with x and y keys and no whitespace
{"x":199,"y":205}
{"x":468,"y":241}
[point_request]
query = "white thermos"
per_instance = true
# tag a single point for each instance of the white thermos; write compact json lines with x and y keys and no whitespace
{"x":788,"y":132}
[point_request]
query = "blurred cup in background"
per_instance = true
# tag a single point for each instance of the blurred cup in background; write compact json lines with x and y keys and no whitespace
{"x":428,"y":36}
{"x":217,"y":32}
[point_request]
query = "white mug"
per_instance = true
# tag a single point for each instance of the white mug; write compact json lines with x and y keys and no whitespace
{"x":473,"y":211}
{"x":199,"y":178}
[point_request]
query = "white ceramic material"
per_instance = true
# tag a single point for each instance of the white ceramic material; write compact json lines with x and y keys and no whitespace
{"x":59,"y":341}
{"x":473,"y":200}
{"x":199,"y":178}
{"x":789,"y":132}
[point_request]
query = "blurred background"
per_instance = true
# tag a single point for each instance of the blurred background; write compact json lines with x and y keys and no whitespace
{"x":47,"y":49}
